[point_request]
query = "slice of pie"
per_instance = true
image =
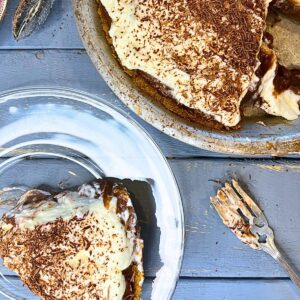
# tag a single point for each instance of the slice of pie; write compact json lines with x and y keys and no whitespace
{"x":75,"y":245}
{"x":200,"y":58}
{"x":196,"y":57}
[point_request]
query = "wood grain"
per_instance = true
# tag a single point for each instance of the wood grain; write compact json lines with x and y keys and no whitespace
{"x":219,"y":250}
{"x":211,"y":249}
{"x":216,"y":289}
{"x":59,"y":30}
{"x":54,"y":56}
{"x":70,"y":69}
{"x":73,"y":69}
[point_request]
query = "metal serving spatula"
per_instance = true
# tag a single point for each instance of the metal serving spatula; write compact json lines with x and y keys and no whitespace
{"x":246,"y":220}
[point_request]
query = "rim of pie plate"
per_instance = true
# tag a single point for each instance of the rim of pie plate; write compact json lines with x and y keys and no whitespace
{"x":278,"y":138}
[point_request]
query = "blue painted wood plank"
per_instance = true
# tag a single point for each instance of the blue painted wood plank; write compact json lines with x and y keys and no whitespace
{"x":235,"y":290}
{"x":211,"y":249}
{"x":73,"y":69}
{"x":209,"y":252}
{"x":211,"y":289}
{"x":59,"y":30}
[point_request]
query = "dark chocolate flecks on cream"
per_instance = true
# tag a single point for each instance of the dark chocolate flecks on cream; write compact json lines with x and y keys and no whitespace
{"x":204,"y":52}
{"x":75,"y":245}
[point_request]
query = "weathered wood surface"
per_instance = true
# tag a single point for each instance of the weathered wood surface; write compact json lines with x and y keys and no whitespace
{"x":59,"y":31}
{"x":219,"y":252}
{"x":69,"y":68}
{"x":215,"y":289}
{"x":73,"y":69}
{"x":55,"y":57}
{"x":211,"y":249}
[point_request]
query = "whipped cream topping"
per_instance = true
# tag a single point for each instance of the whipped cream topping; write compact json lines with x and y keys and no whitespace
{"x":205,"y":61}
{"x":284,"y":104}
{"x":108,"y":248}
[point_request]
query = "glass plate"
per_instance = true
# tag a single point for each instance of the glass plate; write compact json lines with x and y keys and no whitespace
{"x":58,"y":139}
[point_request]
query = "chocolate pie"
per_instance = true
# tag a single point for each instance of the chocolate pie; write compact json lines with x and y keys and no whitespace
{"x":75,"y":245}
{"x":197,"y":58}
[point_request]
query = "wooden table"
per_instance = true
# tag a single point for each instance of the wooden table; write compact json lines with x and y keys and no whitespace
{"x":216,"y":265}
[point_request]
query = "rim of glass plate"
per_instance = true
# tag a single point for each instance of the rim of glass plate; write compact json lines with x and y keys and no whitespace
{"x":96,"y":101}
